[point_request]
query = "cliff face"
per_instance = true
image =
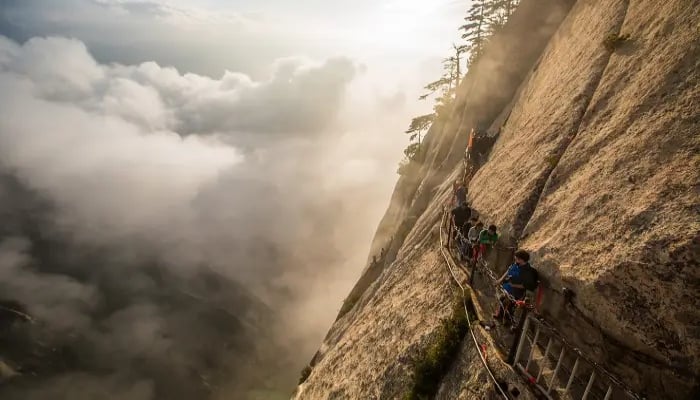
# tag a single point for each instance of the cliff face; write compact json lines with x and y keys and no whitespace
{"x":595,"y":171}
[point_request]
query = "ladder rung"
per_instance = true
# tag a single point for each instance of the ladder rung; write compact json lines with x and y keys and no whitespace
{"x":523,"y":335}
{"x":532,"y":348}
{"x":562,"y":394}
{"x":556,"y":369}
{"x":572,"y":376}
{"x":609,"y":393}
{"x":546,"y":353}
{"x":588,"y":387}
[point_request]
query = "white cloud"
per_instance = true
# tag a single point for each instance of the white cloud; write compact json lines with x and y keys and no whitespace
{"x":120,"y":151}
{"x":271,"y":173}
{"x":272,"y":182}
{"x":124,"y":133}
{"x":299,"y":97}
{"x":136,"y":103}
{"x":64,"y":70}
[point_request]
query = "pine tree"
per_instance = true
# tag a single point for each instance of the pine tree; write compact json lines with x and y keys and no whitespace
{"x":485,"y":18}
{"x":453,"y":67}
{"x":497,"y":13}
{"x":475,"y":31}
{"x":411,"y":151}
{"x":439,"y":85}
{"x":446,"y":85}
{"x":417,"y":127}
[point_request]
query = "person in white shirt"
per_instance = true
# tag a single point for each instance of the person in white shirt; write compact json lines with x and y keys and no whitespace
{"x":476,"y":228}
{"x":473,"y":235}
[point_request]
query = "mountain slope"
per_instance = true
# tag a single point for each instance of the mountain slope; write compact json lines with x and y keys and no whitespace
{"x":595,"y":172}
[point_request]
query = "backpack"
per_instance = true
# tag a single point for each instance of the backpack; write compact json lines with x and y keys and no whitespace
{"x":530,"y":277}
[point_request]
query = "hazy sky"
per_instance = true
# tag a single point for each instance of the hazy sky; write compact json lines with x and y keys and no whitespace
{"x":211,"y":36}
{"x":277,"y":87}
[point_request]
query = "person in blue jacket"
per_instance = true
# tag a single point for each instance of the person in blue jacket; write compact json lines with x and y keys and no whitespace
{"x":515,"y":281}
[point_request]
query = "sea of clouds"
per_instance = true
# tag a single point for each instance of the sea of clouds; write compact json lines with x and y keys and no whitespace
{"x":257,"y":181}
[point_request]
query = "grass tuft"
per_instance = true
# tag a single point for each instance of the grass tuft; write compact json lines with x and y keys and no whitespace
{"x":433,"y":366}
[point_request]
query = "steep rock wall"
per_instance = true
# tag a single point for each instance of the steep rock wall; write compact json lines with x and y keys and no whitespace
{"x":595,"y":171}
{"x":483,"y":94}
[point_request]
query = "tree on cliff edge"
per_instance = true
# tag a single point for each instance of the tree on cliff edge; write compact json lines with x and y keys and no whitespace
{"x":416,"y":129}
{"x":475,"y":31}
{"x":418,"y":126}
{"x":446,"y":86}
{"x":484,"y":18}
{"x":497,"y":13}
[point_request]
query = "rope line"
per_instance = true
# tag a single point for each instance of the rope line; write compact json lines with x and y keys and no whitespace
{"x":469,"y":322}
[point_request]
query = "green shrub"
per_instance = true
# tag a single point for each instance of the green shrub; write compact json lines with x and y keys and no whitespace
{"x":437,"y":359}
{"x":614,"y":40}
{"x":404,"y":167}
{"x":305,"y":374}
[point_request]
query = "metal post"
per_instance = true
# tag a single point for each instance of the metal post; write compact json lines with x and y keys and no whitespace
{"x":532,"y":349}
{"x":519,"y":339}
{"x":556,"y":369}
{"x":588,"y":387}
{"x":571,"y":378}
{"x":544,"y":363}
{"x":609,"y":393}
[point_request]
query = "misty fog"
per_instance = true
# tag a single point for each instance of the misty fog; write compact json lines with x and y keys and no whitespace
{"x":174,"y":235}
{"x":188,"y":190}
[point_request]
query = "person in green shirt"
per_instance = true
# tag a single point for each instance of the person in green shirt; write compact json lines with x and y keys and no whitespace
{"x":487,"y":237}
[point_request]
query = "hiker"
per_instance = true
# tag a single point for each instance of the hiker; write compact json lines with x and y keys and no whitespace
{"x":481,"y":144}
{"x":459,"y":216}
{"x":519,"y":278}
{"x":487,"y":237}
{"x":463,"y":246}
{"x":470,"y":145}
{"x":473,"y":235}
{"x":476,"y":228}
{"x":460,"y":193}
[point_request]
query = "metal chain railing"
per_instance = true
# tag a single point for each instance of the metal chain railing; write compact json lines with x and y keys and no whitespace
{"x":502,"y":295}
{"x":479,"y":350}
